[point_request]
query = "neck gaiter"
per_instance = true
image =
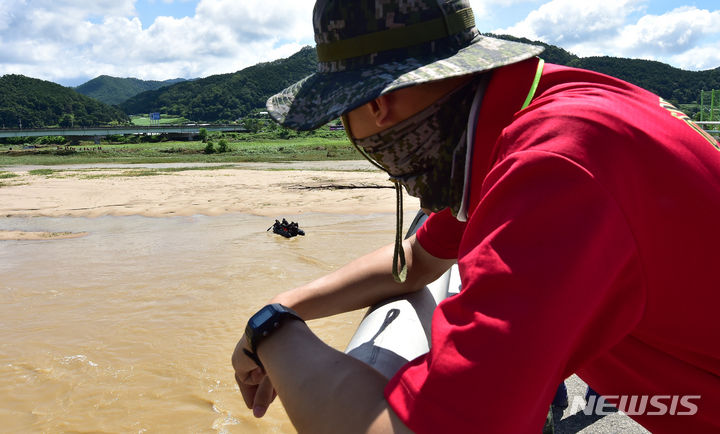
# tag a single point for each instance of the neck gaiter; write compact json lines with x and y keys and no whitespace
{"x":425,"y":153}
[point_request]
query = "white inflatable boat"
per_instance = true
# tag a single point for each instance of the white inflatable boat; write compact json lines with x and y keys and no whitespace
{"x":397,"y":330}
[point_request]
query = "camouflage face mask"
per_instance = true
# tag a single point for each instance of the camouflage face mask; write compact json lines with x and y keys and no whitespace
{"x":426,"y":153}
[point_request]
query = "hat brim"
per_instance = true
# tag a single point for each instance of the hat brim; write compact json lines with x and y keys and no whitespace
{"x":322,"y":97}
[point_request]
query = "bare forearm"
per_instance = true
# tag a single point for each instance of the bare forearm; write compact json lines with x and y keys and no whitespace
{"x":324,"y":390}
{"x":363,"y":282}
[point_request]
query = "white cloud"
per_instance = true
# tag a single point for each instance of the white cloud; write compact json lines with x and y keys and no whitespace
{"x":69,"y":41}
{"x":479,"y":9}
{"x":489,"y":12}
{"x":63,"y":39}
{"x":686,"y":37}
{"x":6,"y":16}
{"x":698,"y":58}
{"x":673,"y":33}
{"x":287,"y":19}
{"x":565,"y":22}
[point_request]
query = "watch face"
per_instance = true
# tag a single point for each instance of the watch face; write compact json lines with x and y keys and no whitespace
{"x":263,"y":315}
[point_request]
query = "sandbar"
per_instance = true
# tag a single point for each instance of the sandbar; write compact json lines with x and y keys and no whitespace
{"x":38,"y":236}
{"x":265,"y":190}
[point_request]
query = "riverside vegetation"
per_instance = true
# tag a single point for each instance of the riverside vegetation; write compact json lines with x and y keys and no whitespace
{"x":266,"y":146}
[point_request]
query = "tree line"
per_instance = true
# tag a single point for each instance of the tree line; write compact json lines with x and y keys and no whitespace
{"x":226,"y":97}
{"x":675,"y":85}
{"x":114,"y":90}
{"x":229,"y":97}
{"x":31,"y":103}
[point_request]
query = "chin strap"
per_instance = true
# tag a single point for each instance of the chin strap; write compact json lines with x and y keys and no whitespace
{"x":399,"y":274}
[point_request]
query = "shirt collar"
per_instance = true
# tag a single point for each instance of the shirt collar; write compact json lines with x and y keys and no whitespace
{"x":505,"y":95}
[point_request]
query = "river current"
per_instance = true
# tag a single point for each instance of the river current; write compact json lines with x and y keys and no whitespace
{"x":131,"y":327}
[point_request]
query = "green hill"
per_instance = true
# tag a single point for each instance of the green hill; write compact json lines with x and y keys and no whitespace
{"x":114,"y":90}
{"x":673,"y":84}
{"x":37,"y":103}
{"x":226,"y":97}
{"x":230,"y":96}
{"x":552,"y":53}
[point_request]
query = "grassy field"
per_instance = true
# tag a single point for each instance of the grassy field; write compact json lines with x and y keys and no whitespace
{"x":144,"y":121}
{"x":296,"y":149}
{"x":102,"y":174}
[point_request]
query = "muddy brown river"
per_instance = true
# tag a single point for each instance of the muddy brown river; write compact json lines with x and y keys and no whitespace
{"x":131,"y":327}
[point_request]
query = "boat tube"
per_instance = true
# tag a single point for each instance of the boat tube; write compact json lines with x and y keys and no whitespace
{"x":397,"y":330}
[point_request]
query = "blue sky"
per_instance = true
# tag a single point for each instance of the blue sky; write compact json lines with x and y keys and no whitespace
{"x":148,"y":10}
{"x":72,"y":41}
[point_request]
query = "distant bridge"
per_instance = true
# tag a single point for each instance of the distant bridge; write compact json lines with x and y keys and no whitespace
{"x":187,"y":130}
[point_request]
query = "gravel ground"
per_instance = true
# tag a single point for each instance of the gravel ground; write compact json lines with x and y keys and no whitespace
{"x":572,"y":420}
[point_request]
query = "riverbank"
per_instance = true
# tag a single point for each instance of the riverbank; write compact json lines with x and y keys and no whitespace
{"x":239,"y":148}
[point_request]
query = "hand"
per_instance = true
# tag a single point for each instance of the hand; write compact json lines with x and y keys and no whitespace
{"x":255,"y":385}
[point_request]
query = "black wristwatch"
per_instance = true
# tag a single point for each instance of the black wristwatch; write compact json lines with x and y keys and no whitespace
{"x":264,"y":323}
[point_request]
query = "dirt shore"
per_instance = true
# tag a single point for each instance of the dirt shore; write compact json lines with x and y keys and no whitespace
{"x":159,"y":191}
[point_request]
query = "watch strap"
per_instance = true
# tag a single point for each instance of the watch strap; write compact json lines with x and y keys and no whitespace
{"x":254,"y":357}
{"x":281,"y":314}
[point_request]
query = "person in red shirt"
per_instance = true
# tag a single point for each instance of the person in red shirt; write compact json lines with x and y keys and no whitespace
{"x":583,"y":213}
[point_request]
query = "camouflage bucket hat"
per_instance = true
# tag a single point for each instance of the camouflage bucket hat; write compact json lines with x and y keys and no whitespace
{"x":367,"y":48}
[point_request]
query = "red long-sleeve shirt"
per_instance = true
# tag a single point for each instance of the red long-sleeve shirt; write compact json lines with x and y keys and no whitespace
{"x":592,"y":246}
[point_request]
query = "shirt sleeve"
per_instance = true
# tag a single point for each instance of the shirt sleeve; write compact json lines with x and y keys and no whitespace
{"x":551,"y":279}
{"x":440,"y":234}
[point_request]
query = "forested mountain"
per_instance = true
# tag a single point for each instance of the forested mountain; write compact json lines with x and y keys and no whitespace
{"x":35,"y":103}
{"x":229,"y":96}
{"x":673,"y":84}
{"x":226,"y":97}
{"x":114,"y":90}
